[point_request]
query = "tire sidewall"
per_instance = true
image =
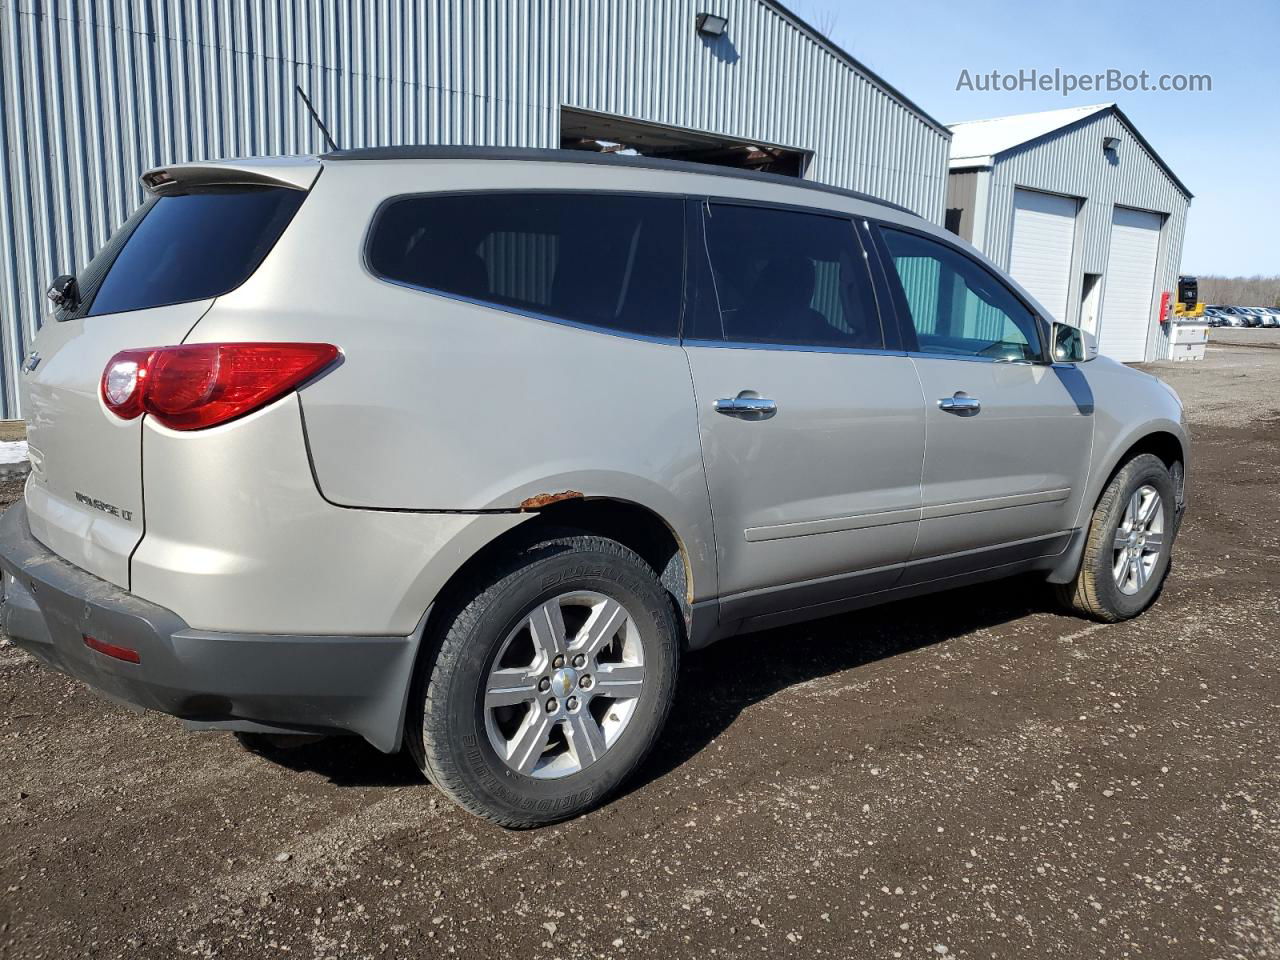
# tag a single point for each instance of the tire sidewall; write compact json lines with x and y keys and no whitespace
{"x":1144,"y":471}
{"x":459,"y":718}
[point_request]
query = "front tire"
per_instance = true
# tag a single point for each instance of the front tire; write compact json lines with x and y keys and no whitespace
{"x":550,"y":684}
{"x":1130,"y":542}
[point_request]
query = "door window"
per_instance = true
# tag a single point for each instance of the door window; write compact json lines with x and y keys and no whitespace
{"x":601,"y":259}
{"x":786,"y":277}
{"x":956,"y":305}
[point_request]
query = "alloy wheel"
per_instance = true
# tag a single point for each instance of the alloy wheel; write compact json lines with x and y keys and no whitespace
{"x":564,"y":685}
{"x":1138,"y":540}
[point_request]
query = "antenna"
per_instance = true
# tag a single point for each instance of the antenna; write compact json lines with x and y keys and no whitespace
{"x":315,"y":116}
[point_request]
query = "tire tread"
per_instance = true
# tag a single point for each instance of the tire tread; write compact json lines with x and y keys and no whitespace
{"x":1082,"y":594}
{"x":424,"y":734}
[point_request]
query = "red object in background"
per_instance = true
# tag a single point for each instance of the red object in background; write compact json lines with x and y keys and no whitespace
{"x":1164,"y":306}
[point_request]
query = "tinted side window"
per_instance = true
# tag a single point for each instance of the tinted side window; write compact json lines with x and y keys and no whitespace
{"x":609,"y":261}
{"x":788,"y":277}
{"x":956,"y":306}
{"x":192,"y":247}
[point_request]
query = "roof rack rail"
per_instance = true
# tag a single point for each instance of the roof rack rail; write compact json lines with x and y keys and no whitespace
{"x":549,"y":155}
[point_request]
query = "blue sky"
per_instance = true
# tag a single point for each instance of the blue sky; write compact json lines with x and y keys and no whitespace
{"x":1224,"y":144}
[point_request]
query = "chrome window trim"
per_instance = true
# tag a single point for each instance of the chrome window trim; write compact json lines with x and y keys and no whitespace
{"x":794,"y":347}
{"x":528,"y":314}
{"x":930,"y":355}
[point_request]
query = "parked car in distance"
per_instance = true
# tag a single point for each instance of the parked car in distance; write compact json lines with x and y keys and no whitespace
{"x":1244,"y":316}
{"x":1269,"y":316}
{"x":1227,"y":316}
{"x":1240,"y":317}
{"x":1214,"y":317}
{"x":461,"y":450}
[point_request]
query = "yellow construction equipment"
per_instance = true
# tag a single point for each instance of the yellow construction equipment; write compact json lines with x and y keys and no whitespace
{"x":1188,"y":305}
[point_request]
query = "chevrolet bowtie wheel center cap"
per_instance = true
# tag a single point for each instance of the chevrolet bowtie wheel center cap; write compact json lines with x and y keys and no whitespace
{"x":564,"y":681}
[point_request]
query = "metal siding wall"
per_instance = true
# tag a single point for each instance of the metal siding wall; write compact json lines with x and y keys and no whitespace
{"x":96,"y":92}
{"x":1073,"y":163}
{"x":962,"y":191}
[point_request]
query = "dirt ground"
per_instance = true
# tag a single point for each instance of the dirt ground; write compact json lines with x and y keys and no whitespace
{"x":973,"y":775}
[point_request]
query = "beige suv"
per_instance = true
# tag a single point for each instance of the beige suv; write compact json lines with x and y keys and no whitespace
{"x":461,"y":450}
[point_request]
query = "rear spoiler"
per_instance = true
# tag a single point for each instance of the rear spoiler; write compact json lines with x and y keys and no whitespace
{"x":293,"y":173}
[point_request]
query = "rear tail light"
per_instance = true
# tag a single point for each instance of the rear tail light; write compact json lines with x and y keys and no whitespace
{"x":200,"y":385}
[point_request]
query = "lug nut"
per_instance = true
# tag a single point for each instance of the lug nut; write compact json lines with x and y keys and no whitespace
{"x":585,"y":681}
{"x":579,"y":661}
{"x":571,"y":703}
{"x":558,"y":662}
{"x":551,"y":705}
{"x":544,"y":684}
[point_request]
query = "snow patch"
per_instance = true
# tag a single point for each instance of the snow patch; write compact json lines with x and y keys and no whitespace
{"x":13,"y":451}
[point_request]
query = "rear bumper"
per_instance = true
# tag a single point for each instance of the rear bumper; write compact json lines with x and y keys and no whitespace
{"x":214,"y":680}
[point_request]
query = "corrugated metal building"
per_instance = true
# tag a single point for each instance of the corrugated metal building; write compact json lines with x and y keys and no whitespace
{"x":95,"y":92}
{"x":1082,"y":211}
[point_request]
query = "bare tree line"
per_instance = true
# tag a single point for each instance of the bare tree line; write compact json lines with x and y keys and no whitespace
{"x":823,"y":21}
{"x":1256,"y":291}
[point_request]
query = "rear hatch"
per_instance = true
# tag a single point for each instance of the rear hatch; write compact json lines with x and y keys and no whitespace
{"x":201,"y":232}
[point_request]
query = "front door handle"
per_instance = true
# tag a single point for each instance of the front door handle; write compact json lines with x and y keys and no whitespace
{"x":747,"y":405}
{"x":961,"y":404}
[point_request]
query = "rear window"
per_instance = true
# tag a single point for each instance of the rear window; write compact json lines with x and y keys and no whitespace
{"x":600,"y":259}
{"x":188,"y":247}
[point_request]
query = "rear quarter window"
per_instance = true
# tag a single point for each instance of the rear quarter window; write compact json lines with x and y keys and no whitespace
{"x":188,"y":247}
{"x":606,"y":260}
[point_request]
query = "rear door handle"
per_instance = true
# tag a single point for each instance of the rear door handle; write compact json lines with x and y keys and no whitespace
{"x":747,"y":405}
{"x":960,"y":404}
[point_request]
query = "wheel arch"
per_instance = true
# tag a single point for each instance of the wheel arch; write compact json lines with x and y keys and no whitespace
{"x":682,"y":563}
{"x":1164,"y":443}
{"x":634,"y":525}
{"x":1165,"y":440}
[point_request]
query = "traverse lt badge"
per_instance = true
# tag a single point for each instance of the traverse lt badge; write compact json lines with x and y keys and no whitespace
{"x":105,"y":507}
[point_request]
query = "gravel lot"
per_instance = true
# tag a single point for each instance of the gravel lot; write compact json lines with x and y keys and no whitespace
{"x":972,"y":776}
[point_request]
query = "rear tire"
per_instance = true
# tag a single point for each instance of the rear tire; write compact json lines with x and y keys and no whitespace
{"x":514,"y":738}
{"x":1130,"y":541}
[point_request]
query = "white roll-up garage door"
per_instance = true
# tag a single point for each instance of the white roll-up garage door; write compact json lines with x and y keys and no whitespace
{"x":1129,"y":285}
{"x":1044,"y":232}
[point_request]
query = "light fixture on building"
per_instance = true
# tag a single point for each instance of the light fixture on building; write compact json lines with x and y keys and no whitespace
{"x":710,"y":25}
{"x":1110,"y":144}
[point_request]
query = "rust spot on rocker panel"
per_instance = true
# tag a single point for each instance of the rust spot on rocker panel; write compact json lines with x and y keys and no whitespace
{"x":540,"y":500}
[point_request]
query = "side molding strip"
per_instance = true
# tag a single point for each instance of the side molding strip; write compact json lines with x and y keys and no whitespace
{"x":862,"y":521}
{"x":995,"y":503}
{"x":805,"y":528}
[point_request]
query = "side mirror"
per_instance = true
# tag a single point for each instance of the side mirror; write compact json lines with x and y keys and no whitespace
{"x":1071,"y":344}
{"x":64,"y":292}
